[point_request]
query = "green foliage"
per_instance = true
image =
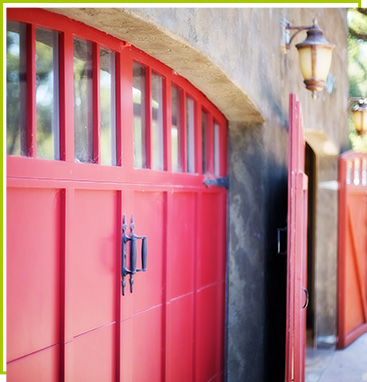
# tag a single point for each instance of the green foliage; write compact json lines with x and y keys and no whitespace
{"x":357,"y":67}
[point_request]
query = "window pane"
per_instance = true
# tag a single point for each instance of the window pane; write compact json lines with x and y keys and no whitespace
{"x":140,"y":158}
{"x":157,"y":122}
{"x":190,"y":134}
{"x":108,"y":107}
{"x":204,"y":129}
{"x":216,"y":149}
{"x":83,"y":101}
{"x":16,"y":87}
{"x":176,"y":130}
{"x":47,"y":94}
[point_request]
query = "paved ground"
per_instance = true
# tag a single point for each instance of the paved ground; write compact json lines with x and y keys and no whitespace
{"x":348,"y":365}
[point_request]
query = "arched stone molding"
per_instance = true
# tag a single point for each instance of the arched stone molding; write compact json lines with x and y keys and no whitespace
{"x":173,"y":51}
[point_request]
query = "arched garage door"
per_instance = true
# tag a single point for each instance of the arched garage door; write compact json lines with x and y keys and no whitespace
{"x":97,"y":130}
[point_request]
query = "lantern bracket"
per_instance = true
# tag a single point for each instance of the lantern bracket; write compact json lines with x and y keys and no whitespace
{"x":286,"y":35}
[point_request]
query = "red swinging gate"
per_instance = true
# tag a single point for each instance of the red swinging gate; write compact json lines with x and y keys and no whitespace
{"x":297,"y":295}
{"x":352,"y":262}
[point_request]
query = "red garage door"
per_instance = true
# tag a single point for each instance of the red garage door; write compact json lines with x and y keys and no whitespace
{"x":97,"y":130}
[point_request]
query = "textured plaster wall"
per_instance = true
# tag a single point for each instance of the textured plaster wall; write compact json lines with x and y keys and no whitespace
{"x":234,"y":57}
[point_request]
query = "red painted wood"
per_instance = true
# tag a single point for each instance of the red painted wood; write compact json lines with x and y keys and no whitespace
{"x":31,"y":92}
{"x":73,"y":318}
{"x":296,"y":247}
{"x":96,"y":105}
{"x":352,"y":244}
{"x":33,"y":270}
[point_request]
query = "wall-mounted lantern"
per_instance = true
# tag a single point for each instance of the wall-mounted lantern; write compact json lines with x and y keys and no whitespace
{"x":359,"y":112}
{"x":314,"y":54}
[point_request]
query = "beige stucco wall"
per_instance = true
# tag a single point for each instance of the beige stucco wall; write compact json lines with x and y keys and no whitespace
{"x":234,"y":56}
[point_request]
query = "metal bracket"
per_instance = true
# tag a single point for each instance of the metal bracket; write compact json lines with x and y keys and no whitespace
{"x":218,"y":182}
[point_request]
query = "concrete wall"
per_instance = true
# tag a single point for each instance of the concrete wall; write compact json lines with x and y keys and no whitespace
{"x":234,"y":57}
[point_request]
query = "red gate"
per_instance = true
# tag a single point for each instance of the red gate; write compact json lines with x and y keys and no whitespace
{"x":297,"y":295}
{"x":67,"y":319}
{"x":352,"y":256}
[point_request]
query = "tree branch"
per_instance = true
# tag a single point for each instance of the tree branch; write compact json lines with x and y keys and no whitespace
{"x":357,"y":35}
{"x":362,"y":10}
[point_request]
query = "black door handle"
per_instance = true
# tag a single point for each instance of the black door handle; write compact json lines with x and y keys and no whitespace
{"x":307,"y":298}
{"x":133,"y":254}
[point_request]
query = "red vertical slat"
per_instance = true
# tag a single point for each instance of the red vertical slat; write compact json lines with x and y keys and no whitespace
{"x":183,"y":121}
{"x":118,"y":109}
{"x":167,"y":121}
{"x":66,"y":97}
{"x":210,"y":144}
{"x":125,"y":109}
{"x":96,"y":105}
{"x":148,"y":115}
{"x":66,"y":322}
{"x":198,"y":138}
{"x":31,"y":92}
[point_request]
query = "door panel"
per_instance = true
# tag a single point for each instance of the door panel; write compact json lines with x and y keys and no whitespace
{"x":181,"y":240}
{"x":147,"y":346}
{"x":211,"y":262}
{"x":180,"y":334}
{"x":33,"y":270}
{"x":42,"y":366}
{"x":207,"y":326}
{"x":95,"y":259}
{"x":95,"y":355}
{"x":148,"y":287}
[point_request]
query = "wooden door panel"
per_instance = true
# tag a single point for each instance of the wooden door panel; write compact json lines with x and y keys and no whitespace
{"x":95,"y":259}
{"x":149,"y":220}
{"x":354,"y":262}
{"x":212,"y":228}
{"x":42,"y":366}
{"x":179,"y":339}
{"x":147,"y":346}
{"x":181,"y":236}
{"x":208,"y":325}
{"x":33,"y":270}
{"x":95,"y":355}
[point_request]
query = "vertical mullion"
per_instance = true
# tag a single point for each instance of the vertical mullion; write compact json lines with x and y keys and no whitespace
{"x":118,"y":105}
{"x":126,"y":113}
{"x":198,"y":138}
{"x":96,"y":104}
{"x":223,"y":148}
{"x":183,"y":130}
{"x":31,"y":92}
{"x":148,"y":115}
{"x":167,"y":125}
{"x":66,"y":97}
{"x":210,"y":144}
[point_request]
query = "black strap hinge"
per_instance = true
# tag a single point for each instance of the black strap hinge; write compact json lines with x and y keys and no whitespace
{"x":218,"y":182}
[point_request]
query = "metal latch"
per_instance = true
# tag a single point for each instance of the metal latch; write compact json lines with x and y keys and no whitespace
{"x":133,"y":256}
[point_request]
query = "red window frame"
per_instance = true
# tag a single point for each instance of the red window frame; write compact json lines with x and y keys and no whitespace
{"x":125,"y":55}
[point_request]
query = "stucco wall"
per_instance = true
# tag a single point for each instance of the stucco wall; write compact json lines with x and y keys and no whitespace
{"x":234,"y":57}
